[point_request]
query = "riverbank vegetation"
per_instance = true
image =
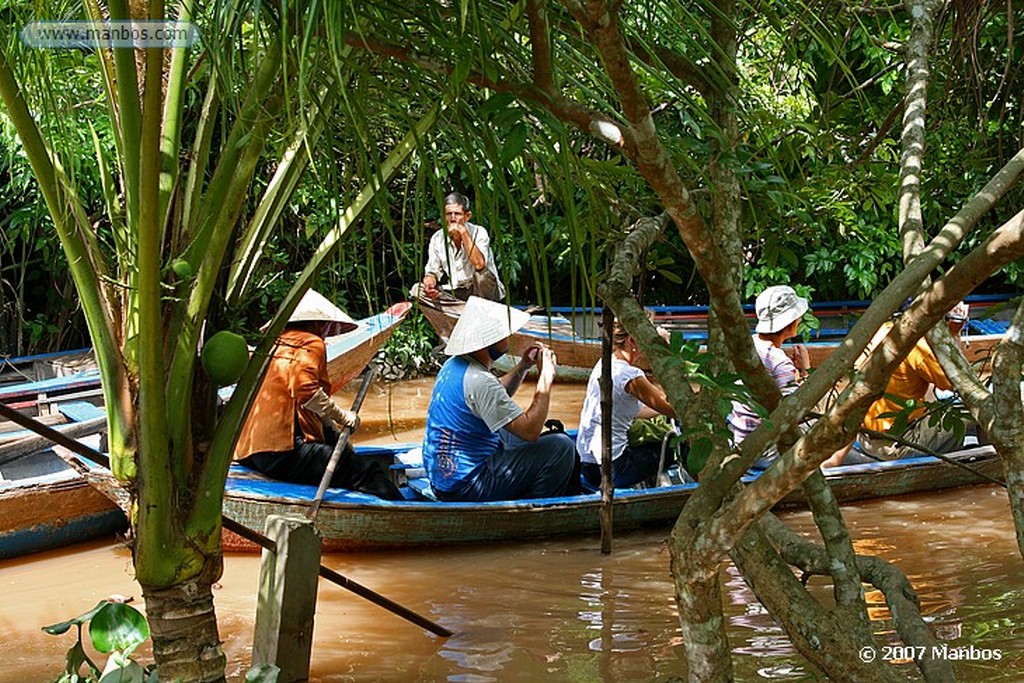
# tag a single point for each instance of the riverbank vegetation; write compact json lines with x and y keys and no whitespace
{"x":622,"y":153}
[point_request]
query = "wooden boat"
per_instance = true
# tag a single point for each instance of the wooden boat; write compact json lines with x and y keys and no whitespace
{"x":44,"y":503}
{"x":347,"y":356}
{"x":21,"y":369}
{"x":349,"y":353}
{"x":574,"y":334}
{"x":354,"y":521}
{"x":576,"y":353}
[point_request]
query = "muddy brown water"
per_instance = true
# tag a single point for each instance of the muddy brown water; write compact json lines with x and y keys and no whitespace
{"x":556,"y":610}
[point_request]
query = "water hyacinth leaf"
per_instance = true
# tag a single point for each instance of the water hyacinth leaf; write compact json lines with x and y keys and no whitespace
{"x":117,"y":626}
{"x":120,"y":670}
{"x":58,"y":629}
{"x":264,"y":673}
{"x":62,"y":627}
{"x":73,"y":662}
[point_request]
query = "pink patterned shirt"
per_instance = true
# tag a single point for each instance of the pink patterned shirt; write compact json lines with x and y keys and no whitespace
{"x":743,"y":420}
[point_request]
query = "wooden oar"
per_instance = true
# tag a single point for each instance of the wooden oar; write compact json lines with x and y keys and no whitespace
{"x":343,"y":581}
{"x":927,"y":451}
{"x":245,"y":532}
{"x":13,"y":450}
{"x":321,"y":491}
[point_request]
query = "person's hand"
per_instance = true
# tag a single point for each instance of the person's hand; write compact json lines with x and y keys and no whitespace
{"x":801,"y":359}
{"x":547,"y":363}
{"x":457,"y":233}
{"x":430,"y":287}
{"x":530,"y":357}
{"x":347,"y":419}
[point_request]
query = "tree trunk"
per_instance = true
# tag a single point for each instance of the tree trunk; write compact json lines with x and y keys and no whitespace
{"x":698,"y":593}
{"x":183,"y":625}
{"x":832,"y":640}
{"x":701,"y":620}
{"x":1007,"y":432}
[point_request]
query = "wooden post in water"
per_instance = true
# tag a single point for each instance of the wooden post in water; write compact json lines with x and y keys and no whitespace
{"x":607,"y":480}
{"x":283,"y":635}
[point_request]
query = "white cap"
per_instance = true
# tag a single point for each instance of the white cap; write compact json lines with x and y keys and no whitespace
{"x":315,"y":307}
{"x":482,"y":323}
{"x":778,"y":306}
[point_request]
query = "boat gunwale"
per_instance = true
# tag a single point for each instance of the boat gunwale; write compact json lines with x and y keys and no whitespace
{"x":350,"y":500}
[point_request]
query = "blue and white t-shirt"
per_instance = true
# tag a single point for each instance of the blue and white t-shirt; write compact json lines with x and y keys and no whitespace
{"x":467,"y":408}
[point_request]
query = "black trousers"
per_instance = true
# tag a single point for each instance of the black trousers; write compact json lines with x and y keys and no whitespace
{"x":307,"y":462}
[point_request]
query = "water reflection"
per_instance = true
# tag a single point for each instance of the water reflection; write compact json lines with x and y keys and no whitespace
{"x":556,"y":609}
{"x":759,"y":637}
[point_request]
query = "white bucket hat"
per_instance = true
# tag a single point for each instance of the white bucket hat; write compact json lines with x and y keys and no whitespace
{"x":315,"y":307}
{"x":482,"y":323}
{"x":778,"y":306}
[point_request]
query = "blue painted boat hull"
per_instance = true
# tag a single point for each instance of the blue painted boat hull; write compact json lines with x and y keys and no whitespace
{"x":53,"y":510}
{"x":53,"y":534}
{"x":353,"y":521}
{"x":576,"y":339}
{"x":347,"y":356}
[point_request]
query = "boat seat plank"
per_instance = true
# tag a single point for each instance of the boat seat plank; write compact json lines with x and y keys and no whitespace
{"x":81,"y":379}
{"x":10,"y":431}
{"x":421,"y":486}
{"x":989,"y":326}
{"x":80,"y":411}
{"x":74,"y":412}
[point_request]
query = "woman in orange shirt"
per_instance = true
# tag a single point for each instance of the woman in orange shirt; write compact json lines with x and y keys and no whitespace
{"x":289,"y":433}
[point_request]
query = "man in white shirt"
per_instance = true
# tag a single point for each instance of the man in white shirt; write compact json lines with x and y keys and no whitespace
{"x":462,"y":253}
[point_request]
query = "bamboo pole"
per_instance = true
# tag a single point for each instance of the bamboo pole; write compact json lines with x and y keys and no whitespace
{"x":339,"y":447}
{"x":607,"y":480}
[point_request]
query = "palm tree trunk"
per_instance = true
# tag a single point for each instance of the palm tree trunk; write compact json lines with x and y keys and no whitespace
{"x":183,"y":625}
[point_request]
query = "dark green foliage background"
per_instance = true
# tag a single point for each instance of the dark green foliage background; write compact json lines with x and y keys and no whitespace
{"x":818,"y":161}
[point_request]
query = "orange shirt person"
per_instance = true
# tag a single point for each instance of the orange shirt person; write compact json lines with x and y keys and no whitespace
{"x":289,"y":433}
{"x":911,"y":380}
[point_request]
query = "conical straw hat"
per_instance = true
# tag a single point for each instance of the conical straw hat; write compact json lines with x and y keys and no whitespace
{"x":315,"y":307}
{"x":482,"y":323}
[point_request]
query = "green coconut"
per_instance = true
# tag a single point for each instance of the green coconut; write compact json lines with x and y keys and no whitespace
{"x":182,"y":268}
{"x":224,"y":357}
